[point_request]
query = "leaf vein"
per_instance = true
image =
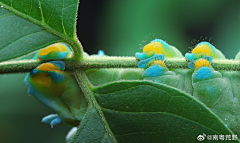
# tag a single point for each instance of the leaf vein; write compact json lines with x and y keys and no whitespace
{"x":8,"y":14}
{"x":62,"y":20}
{"x":40,"y":6}
{"x":22,"y":38}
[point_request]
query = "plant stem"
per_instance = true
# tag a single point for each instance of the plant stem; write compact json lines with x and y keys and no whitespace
{"x":85,"y":85}
{"x":110,"y":62}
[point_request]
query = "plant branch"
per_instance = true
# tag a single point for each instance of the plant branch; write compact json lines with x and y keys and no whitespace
{"x":109,"y":62}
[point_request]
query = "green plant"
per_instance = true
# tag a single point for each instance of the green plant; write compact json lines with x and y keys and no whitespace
{"x":117,"y":109}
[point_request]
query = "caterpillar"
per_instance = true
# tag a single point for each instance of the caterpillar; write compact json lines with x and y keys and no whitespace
{"x":153,"y":56}
{"x":154,"y":67}
{"x":57,"y":89}
{"x":214,"y":91}
{"x":55,"y":51}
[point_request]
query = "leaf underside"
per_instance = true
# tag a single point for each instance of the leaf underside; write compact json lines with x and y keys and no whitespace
{"x":142,"y":111}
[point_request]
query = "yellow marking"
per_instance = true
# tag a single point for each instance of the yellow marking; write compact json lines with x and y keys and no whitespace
{"x":202,"y":48}
{"x":42,"y":79}
{"x":201,"y":63}
{"x":158,"y":62}
{"x":44,"y":83}
{"x":58,"y":47}
{"x":48,"y":67}
{"x":153,"y":46}
{"x":150,"y":52}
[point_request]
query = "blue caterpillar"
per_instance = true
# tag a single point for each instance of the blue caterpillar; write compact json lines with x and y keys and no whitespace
{"x":155,"y":68}
{"x":57,"y":89}
{"x":211,"y":88}
{"x":152,"y":58}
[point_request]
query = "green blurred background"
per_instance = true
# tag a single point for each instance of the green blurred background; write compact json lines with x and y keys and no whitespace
{"x":118,"y":27}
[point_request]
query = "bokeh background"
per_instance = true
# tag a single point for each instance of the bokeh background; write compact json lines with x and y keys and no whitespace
{"x":119,"y":27}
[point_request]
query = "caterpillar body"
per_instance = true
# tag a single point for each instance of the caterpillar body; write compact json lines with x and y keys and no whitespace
{"x":155,"y":68}
{"x":210,"y":87}
{"x":57,"y":90}
{"x":215,"y":91}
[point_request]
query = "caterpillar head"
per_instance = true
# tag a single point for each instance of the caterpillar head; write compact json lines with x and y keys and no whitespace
{"x":155,"y":47}
{"x":55,"y":51}
{"x":203,"y":49}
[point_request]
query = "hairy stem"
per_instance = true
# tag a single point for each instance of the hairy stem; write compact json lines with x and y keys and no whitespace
{"x":85,"y":85}
{"x":109,"y":62}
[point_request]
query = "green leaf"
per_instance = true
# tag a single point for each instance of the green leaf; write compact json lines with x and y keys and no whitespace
{"x":28,"y":26}
{"x":143,"y":111}
{"x":91,"y":129}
